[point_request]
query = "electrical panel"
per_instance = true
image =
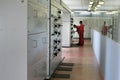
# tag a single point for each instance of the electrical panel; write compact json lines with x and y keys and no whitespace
{"x":26,"y":30}
{"x":37,"y":39}
{"x":38,"y":55}
{"x":116,"y":27}
{"x":72,"y":29}
{"x":56,"y":37}
{"x":56,"y":33}
{"x":37,"y":16}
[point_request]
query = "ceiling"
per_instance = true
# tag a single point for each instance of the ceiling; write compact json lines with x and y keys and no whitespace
{"x":82,"y":5}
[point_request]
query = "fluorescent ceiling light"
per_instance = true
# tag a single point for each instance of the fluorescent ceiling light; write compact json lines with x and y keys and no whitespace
{"x":91,"y":2}
{"x":101,"y":2}
{"x":76,"y":11}
{"x":96,"y":13}
{"x":113,"y":12}
{"x":72,"y":12}
{"x":98,"y":5}
{"x":84,"y":13}
{"x":90,"y":5}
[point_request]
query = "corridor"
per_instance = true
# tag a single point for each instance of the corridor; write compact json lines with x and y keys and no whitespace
{"x":85,"y":64}
{"x":36,"y":38}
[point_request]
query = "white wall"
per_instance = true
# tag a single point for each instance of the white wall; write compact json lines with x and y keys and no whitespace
{"x":13,"y":40}
{"x":108,"y":53}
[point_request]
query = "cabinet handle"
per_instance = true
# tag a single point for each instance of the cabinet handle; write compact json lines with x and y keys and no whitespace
{"x":22,"y":1}
{"x":35,"y":43}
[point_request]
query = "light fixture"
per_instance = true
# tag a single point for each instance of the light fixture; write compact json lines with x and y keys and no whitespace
{"x":101,"y":2}
{"x":84,"y":13}
{"x":90,"y":6}
{"x":98,"y":5}
{"x":113,"y":12}
{"x":91,"y":2}
{"x":94,"y":4}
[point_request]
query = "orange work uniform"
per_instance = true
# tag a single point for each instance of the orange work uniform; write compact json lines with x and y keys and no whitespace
{"x":104,"y":30}
{"x":80,"y":30}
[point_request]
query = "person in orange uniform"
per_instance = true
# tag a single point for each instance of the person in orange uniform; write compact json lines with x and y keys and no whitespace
{"x":104,"y":29}
{"x":80,"y":30}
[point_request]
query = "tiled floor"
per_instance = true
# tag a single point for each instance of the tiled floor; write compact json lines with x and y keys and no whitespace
{"x":85,"y":64}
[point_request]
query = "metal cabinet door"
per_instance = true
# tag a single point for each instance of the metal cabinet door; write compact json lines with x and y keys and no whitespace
{"x":37,"y":56}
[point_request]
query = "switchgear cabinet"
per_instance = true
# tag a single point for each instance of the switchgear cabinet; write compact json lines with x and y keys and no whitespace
{"x":24,"y":39}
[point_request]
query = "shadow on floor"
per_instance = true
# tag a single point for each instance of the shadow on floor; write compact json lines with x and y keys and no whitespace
{"x":75,"y":45}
